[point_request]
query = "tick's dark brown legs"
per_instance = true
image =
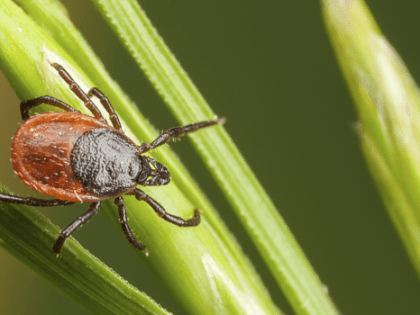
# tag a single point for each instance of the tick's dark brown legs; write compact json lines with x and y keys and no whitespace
{"x":35,"y":202}
{"x":126,"y":229}
{"x":107,"y":105}
{"x":93,"y":208}
{"x":141,"y":195}
{"x":25,"y":106}
{"x":75,"y":88}
{"x":178,"y":132}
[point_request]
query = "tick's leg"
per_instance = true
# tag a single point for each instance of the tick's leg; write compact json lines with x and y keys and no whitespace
{"x":141,"y":195}
{"x":25,"y":106}
{"x":107,"y":105}
{"x":93,"y":208}
{"x":35,"y":202}
{"x":126,"y":229}
{"x":78,"y":91}
{"x":178,"y":132}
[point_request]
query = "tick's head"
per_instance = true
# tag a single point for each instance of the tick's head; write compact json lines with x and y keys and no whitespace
{"x":150,"y":168}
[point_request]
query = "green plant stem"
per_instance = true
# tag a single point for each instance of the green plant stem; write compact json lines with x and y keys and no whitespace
{"x":28,"y":236}
{"x":203,"y":267}
{"x":266,"y":228}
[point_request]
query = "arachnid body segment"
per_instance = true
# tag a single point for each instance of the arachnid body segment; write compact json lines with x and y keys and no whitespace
{"x":41,"y":151}
{"x":106,"y":162}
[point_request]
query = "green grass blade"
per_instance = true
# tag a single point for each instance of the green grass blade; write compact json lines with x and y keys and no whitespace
{"x":28,"y":235}
{"x":271,"y":235}
{"x":203,"y":267}
{"x":388,"y":104}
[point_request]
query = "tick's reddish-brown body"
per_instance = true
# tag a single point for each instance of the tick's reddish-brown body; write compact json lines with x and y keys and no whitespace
{"x":78,"y":158}
{"x":41,"y":152}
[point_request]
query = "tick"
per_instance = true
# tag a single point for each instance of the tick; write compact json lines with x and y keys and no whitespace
{"x":77,"y":158}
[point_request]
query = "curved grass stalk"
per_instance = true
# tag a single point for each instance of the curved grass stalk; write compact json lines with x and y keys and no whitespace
{"x":203,"y":267}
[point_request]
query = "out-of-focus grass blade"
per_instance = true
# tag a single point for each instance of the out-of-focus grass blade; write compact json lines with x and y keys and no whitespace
{"x":388,"y":104}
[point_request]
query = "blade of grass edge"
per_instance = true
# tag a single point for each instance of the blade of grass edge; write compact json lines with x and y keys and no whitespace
{"x":271,"y":235}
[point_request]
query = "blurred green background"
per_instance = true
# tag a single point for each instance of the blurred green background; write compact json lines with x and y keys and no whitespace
{"x":269,"y":68}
